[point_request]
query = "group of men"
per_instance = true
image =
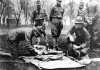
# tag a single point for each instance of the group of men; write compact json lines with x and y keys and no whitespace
{"x":79,"y":38}
{"x":56,"y":16}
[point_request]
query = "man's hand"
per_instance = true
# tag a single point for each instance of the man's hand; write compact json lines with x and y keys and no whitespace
{"x":71,"y":37}
{"x":78,"y":47}
{"x":83,"y":45}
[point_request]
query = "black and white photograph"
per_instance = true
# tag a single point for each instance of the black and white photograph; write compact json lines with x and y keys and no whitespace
{"x":49,"y":34}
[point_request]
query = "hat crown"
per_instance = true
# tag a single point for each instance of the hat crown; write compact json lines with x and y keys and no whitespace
{"x":79,"y":19}
{"x":59,"y":0}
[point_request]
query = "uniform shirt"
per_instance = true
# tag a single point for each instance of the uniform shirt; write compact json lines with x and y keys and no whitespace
{"x":82,"y":35}
{"x":39,"y":17}
{"x":56,"y":12}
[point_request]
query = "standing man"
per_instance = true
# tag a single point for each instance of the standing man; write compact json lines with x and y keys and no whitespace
{"x":81,"y":9}
{"x":82,"y":12}
{"x":56,"y":16}
{"x":38,"y":18}
{"x":93,"y":17}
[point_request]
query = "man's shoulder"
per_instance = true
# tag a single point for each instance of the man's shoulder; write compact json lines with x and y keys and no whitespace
{"x":74,"y":27}
{"x":34,"y":11}
{"x":56,"y":8}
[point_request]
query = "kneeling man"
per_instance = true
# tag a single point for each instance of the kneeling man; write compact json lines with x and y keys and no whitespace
{"x":78,"y":41}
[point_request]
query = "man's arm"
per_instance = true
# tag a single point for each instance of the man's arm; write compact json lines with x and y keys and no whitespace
{"x":87,"y":34}
{"x":51,"y":14}
{"x":87,"y":38}
{"x":33,"y":16}
{"x":63,"y":13}
{"x":45,"y":16}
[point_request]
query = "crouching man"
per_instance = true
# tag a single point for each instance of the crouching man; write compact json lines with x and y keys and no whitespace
{"x":78,"y":39}
{"x":19,"y":36}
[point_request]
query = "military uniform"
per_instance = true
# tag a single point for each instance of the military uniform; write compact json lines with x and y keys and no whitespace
{"x":82,"y":35}
{"x":19,"y":37}
{"x":56,"y":16}
{"x":38,"y":18}
{"x":80,"y":41}
{"x":83,"y":13}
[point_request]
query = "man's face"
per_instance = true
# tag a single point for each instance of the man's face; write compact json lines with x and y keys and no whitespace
{"x":81,"y":6}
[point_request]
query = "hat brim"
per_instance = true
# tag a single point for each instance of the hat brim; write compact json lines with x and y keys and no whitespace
{"x":59,"y":0}
{"x":79,"y":23}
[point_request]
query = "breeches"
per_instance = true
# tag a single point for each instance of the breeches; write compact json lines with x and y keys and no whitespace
{"x":56,"y":29}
